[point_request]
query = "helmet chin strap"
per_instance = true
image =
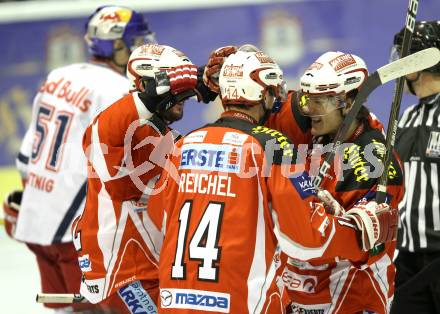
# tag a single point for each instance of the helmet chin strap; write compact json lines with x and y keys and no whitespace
{"x":409,"y":83}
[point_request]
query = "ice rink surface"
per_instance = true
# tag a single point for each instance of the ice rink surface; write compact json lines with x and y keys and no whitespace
{"x":19,"y":277}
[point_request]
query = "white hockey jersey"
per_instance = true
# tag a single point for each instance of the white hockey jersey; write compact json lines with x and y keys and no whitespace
{"x":51,"y":157}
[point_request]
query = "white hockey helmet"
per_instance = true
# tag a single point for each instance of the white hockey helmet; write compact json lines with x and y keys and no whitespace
{"x":150,"y":59}
{"x":245,"y":77}
{"x":328,"y":80}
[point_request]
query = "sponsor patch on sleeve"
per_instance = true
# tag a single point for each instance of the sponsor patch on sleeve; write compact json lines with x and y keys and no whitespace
{"x":303,"y":184}
{"x":137,"y":299}
{"x":84,"y":263}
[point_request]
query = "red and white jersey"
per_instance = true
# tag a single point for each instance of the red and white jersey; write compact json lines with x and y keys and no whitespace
{"x":324,"y":285}
{"x":116,"y":239}
{"x":231,"y":204}
{"x":51,"y":157}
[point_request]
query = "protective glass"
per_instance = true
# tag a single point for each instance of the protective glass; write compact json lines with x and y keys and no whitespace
{"x":319,"y":105}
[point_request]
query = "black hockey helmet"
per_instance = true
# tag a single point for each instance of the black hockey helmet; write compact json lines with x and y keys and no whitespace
{"x":426,"y":35}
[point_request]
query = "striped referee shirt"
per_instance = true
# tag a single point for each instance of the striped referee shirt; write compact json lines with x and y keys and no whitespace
{"x":418,"y":144}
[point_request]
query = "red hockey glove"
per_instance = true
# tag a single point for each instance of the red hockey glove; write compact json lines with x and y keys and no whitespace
{"x":11,"y":207}
{"x":182,"y":78}
{"x":377,"y":223}
{"x":214,"y":65}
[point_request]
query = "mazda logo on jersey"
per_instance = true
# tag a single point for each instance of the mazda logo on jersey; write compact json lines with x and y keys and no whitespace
{"x":212,"y":157}
{"x":195,"y":300}
{"x":303,"y":184}
{"x":166,"y":298}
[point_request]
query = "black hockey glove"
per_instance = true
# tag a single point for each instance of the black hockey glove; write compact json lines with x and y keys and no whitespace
{"x":204,"y":94}
{"x":158,"y":97}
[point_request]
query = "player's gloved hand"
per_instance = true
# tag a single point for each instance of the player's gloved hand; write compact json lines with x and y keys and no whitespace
{"x":212,"y":69}
{"x":182,"y":78}
{"x":11,"y":207}
{"x":167,"y":88}
{"x":203,"y":93}
{"x":377,"y":223}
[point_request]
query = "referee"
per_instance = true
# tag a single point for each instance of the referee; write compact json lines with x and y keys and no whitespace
{"x":418,"y":144}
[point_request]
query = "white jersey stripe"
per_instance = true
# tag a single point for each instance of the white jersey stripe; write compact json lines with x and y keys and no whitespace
{"x":403,"y":204}
{"x":341,"y":301}
{"x":255,"y":282}
{"x":404,"y":117}
{"x":411,"y":118}
{"x":293,"y":248}
{"x":106,"y":218}
{"x":116,"y":248}
{"x":431,"y":116}
{"x":422,"y":202}
{"x":435,"y":197}
{"x":337,"y":280}
{"x":96,"y":155}
{"x":410,"y":191}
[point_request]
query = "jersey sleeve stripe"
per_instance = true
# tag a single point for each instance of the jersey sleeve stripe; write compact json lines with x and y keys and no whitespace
{"x":70,"y":214}
{"x":292,"y":248}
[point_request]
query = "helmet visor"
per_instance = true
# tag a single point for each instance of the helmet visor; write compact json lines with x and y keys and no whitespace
{"x":319,"y":105}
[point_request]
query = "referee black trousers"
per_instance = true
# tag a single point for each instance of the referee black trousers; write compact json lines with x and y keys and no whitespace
{"x":417,"y":283}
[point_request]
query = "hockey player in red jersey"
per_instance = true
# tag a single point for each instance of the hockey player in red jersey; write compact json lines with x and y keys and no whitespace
{"x":51,"y":160}
{"x":328,"y":88}
{"x":126,"y":146}
{"x":234,"y":200}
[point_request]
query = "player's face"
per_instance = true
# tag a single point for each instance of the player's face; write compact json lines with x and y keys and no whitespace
{"x":323,"y":112}
{"x":175,"y":113}
{"x":326,"y":124}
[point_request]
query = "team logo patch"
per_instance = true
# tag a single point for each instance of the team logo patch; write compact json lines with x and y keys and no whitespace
{"x":84,"y":263}
{"x":235,"y":71}
{"x":342,"y":61}
{"x":433,"y":148}
{"x":195,"y":300}
{"x":138,"y":300}
{"x":211,"y":157}
{"x":303,"y":184}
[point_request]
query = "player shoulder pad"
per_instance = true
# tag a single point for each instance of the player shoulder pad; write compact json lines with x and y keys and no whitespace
{"x":276,"y":145}
{"x":362,"y":161}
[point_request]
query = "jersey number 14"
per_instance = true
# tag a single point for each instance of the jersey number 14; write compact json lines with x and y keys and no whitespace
{"x":203,"y":245}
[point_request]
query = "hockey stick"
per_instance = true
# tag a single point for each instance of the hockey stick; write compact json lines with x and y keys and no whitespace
{"x":395,"y":107}
{"x":60,"y":298}
{"x":413,"y":63}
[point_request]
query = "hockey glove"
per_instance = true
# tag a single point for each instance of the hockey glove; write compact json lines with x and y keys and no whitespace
{"x":168,"y":88}
{"x":203,"y":93}
{"x":182,"y":78}
{"x":212,"y":69}
{"x":376,"y":223}
{"x":11,"y":207}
